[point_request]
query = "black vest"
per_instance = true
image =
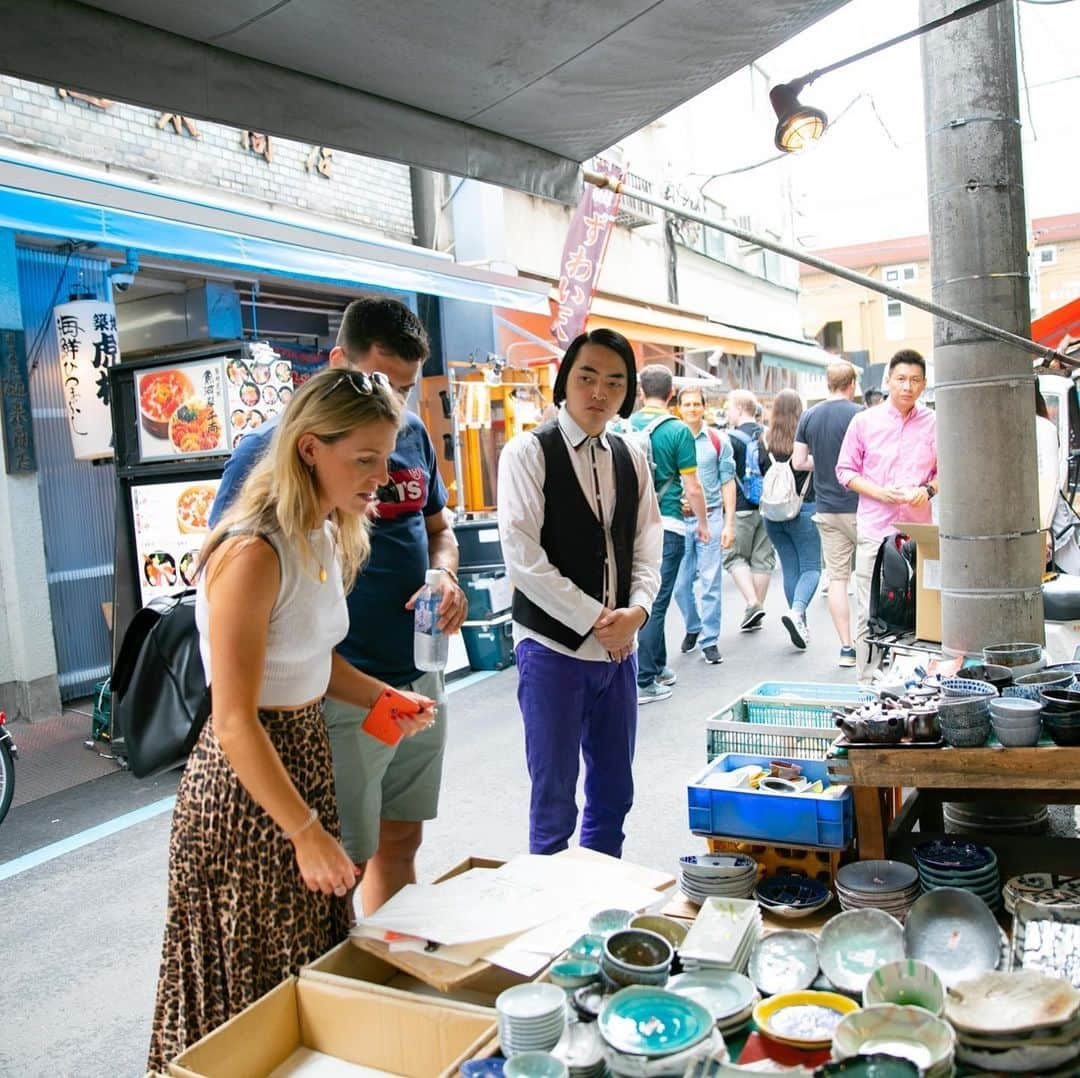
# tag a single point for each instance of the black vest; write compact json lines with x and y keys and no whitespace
{"x":574,"y":540}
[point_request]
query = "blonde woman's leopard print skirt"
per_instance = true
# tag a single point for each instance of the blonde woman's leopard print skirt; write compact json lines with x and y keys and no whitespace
{"x":239,"y":917}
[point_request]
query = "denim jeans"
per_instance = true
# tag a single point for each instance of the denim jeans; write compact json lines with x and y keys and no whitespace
{"x":652,"y":650}
{"x":799,"y":548}
{"x":704,"y":562}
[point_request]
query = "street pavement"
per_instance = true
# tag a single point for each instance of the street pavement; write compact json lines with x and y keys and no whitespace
{"x":84,"y":926}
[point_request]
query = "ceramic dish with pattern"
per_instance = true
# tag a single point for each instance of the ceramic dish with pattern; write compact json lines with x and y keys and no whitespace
{"x":574,"y":972}
{"x":908,"y":1032}
{"x":907,"y":983}
{"x":653,"y":1022}
{"x":1046,"y":888}
{"x":607,"y":921}
{"x":723,"y":993}
{"x":959,"y":686}
{"x":951,"y":853}
{"x":716,"y":865}
{"x":877,"y":877}
{"x":803,"y":1019}
{"x":854,"y":943}
{"x":996,"y":1004}
{"x":954,"y":933}
{"x":788,"y":889}
{"x":784,"y":962}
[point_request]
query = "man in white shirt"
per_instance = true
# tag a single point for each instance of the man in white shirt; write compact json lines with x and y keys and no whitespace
{"x":581,"y":537}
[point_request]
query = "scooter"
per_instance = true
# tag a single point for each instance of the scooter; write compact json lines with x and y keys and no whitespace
{"x":8,"y":755}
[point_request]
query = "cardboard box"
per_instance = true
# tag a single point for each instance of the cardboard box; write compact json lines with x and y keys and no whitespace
{"x":482,"y":977}
{"x":927,"y":580}
{"x":388,"y":1032}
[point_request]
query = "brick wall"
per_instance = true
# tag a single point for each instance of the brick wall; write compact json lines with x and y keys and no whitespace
{"x":361,"y":190}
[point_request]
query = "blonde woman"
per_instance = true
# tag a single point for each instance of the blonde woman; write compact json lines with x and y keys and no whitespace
{"x":257,"y":876}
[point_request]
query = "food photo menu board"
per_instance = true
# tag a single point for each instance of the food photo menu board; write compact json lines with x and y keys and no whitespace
{"x":171,"y":522}
{"x":204,"y":407}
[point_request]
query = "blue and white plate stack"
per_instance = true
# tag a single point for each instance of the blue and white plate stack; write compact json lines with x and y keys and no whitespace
{"x":531,"y":1016}
{"x":952,"y":862}
{"x":717,"y":875}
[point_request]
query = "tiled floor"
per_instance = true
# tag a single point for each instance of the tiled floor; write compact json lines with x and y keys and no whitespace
{"x":53,"y":756}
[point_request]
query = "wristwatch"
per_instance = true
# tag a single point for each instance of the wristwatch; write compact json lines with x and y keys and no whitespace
{"x":930,"y":492}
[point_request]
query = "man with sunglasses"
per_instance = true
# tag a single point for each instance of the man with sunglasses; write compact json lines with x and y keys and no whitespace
{"x":385,"y":792}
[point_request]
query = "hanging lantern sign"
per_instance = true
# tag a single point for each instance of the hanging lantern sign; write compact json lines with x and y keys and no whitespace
{"x":87,"y":338}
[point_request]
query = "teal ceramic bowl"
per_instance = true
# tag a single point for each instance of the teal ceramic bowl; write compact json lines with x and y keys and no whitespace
{"x":574,"y":972}
{"x":907,"y":982}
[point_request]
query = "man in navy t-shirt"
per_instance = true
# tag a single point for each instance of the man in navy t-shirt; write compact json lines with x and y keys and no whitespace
{"x":385,"y":793}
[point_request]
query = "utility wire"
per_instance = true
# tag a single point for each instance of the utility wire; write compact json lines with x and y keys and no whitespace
{"x":1023,"y":74}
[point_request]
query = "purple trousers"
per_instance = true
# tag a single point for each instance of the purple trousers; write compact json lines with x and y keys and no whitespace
{"x":574,"y":708}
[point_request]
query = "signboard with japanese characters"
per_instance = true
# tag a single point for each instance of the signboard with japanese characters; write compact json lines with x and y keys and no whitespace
{"x":171,"y":522}
{"x":88,"y":344}
{"x":583,"y":255}
{"x":182,"y":411}
{"x":258,"y":386}
{"x":15,"y":404}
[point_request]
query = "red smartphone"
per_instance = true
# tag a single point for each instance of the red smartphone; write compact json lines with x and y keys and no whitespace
{"x":380,"y":719}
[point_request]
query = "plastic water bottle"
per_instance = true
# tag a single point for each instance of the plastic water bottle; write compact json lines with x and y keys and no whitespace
{"x":430,"y":645}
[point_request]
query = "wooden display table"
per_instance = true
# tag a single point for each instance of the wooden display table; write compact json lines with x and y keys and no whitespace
{"x":1048,"y":774}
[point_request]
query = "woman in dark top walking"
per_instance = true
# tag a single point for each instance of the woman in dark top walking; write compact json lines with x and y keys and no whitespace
{"x":796,"y":541}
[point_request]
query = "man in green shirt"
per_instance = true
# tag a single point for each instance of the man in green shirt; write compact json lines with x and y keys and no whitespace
{"x":674,"y":460}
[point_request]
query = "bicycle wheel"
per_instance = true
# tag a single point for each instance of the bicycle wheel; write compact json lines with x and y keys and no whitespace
{"x":7,"y":779}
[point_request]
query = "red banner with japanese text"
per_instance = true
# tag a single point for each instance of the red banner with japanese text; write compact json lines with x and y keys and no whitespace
{"x":583,"y":255}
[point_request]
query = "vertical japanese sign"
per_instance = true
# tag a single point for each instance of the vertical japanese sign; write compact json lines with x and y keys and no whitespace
{"x":583,"y":255}
{"x":15,"y":404}
{"x":88,"y":343}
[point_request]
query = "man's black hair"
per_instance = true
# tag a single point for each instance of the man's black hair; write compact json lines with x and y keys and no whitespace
{"x":605,"y":338}
{"x":909,"y":356}
{"x":872,"y":396}
{"x":385,"y":322}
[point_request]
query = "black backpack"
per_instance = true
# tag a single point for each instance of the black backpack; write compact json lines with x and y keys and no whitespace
{"x":160,"y":697}
{"x":892,"y":587}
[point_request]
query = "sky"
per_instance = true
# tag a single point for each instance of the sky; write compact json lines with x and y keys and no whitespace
{"x":866,"y":179}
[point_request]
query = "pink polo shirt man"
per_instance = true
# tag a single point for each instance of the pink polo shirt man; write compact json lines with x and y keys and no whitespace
{"x":889,"y":458}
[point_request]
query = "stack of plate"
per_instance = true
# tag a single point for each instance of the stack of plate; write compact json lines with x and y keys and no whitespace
{"x":952,"y":862}
{"x":726,"y":875}
{"x":531,"y":1016}
{"x":581,"y":1048}
{"x":1046,"y":888}
{"x":790,"y":896}
{"x":728,"y":996}
{"x":1022,"y":1022}
{"x":891,"y":886}
{"x":723,"y":935}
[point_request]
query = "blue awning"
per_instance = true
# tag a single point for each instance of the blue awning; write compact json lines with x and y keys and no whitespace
{"x":51,"y":202}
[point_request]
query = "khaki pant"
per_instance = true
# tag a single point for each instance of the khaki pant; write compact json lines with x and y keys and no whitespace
{"x":865,"y":554}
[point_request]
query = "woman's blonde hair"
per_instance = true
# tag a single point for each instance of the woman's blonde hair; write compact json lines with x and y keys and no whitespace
{"x":786,"y":409}
{"x":279,"y":494}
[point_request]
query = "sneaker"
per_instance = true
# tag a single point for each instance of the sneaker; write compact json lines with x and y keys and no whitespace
{"x":847,"y":656}
{"x":796,"y":627}
{"x":648,"y":694}
{"x":751,"y":618}
{"x":711,"y":654}
{"x":667,"y":676}
{"x":689,"y":642}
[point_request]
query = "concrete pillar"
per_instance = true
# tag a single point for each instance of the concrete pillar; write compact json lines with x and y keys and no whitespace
{"x":28,"y":686}
{"x":985,"y":398}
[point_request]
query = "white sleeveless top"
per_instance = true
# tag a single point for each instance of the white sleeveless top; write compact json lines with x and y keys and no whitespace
{"x":308,"y":621}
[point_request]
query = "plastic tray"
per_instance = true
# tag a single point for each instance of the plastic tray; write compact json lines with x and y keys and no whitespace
{"x":805,"y":819}
{"x":800,"y":703}
{"x":730,"y":731}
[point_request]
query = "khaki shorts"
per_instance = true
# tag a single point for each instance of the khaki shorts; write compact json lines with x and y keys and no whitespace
{"x":752,"y":546}
{"x":375,"y":781}
{"x":838,"y":539}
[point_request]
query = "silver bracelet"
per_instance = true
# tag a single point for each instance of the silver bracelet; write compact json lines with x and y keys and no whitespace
{"x":313,"y":815}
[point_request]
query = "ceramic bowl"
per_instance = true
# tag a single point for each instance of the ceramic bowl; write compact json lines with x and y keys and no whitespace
{"x":996,"y":675}
{"x":574,"y":972}
{"x":715,"y":866}
{"x":1060,"y":699}
{"x":1014,"y":707}
{"x":784,"y":962}
{"x":1043,"y":680}
{"x":966,"y":737}
{"x":1013,"y":654}
{"x":909,"y":1032}
{"x":607,"y":921}
{"x":1019,"y":737}
{"x":963,"y":710}
{"x":953,"y":932}
{"x":960,"y":686}
{"x":638,"y":950}
{"x":854,"y":943}
{"x":908,"y":983}
{"x":535,"y":1065}
{"x":1064,"y":735}
{"x":1069,"y":667}
{"x":877,"y":1065}
{"x":673,"y":931}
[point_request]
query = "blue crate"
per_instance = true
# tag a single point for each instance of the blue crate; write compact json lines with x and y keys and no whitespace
{"x":800,"y":703}
{"x":803,"y":819}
